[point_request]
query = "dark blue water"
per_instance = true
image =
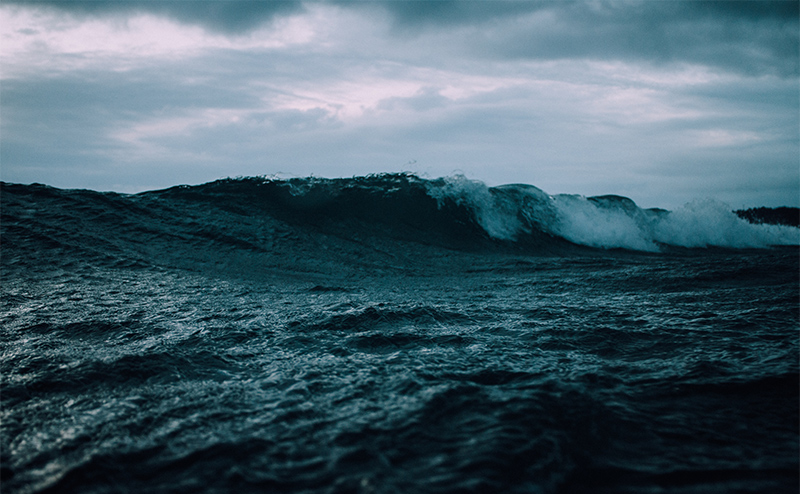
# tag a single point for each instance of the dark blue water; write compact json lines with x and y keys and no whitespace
{"x":393,"y":335}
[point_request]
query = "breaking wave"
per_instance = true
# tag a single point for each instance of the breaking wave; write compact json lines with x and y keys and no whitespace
{"x":510,"y":212}
{"x":258,"y":213}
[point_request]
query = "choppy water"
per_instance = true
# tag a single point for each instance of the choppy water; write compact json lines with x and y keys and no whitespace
{"x":393,"y":336}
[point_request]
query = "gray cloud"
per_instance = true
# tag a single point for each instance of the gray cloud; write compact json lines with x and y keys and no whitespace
{"x":416,"y":14}
{"x":233,"y":16}
{"x":751,"y":38}
{"x":227,"y":16}
{"x":455,"y":11}
{"x":426,"y":99}
{"x":748,"y":37}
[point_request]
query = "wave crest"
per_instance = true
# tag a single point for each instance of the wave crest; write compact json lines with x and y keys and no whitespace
{"x":262,"y":214}
{"x":510,"y":212}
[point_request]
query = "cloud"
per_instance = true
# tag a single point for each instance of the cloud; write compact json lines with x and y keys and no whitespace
{"x":226,"y":16}
{"x":418,"y":14}
{"x":660,"y":101}
{"x":747,"y":42}
{"x":747,"y":37}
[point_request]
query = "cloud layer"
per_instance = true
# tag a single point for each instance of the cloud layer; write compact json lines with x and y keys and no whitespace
{"x":659,"y":101}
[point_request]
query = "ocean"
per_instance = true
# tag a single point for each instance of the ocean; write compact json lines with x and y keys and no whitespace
{"x":393,"y":334}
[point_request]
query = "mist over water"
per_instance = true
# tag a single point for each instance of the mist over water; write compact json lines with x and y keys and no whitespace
{"x":393,"y":334}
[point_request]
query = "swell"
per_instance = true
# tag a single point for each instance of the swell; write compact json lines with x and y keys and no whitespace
{"x":397,"y":207}
{"x":313,"y":225}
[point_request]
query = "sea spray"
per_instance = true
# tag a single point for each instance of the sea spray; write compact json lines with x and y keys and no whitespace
{"x":610,"y":222}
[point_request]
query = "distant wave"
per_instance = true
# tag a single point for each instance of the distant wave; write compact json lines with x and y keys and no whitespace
{"x":261,"y":214}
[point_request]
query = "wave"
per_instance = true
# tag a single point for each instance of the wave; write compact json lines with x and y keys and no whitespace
{"x":510,"y":212}
{"x":515,"y":213}
{"x":263,"y":215}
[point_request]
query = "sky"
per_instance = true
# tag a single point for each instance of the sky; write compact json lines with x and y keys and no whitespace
{"x":660,"y":101}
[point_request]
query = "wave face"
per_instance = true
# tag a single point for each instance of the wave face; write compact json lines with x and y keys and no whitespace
{"x":468,"y":213}
{"x":390,"y":334}
{"x":452,"y":212}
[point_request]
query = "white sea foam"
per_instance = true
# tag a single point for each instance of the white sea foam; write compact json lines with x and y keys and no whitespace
{"x":497,"y":217}
{"x":703,"y":223}
{"x":584,"y":222}
{"x":609,"y":222}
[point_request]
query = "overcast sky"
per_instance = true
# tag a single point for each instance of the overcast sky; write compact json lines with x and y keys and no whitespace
{"x":660,"y":101}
